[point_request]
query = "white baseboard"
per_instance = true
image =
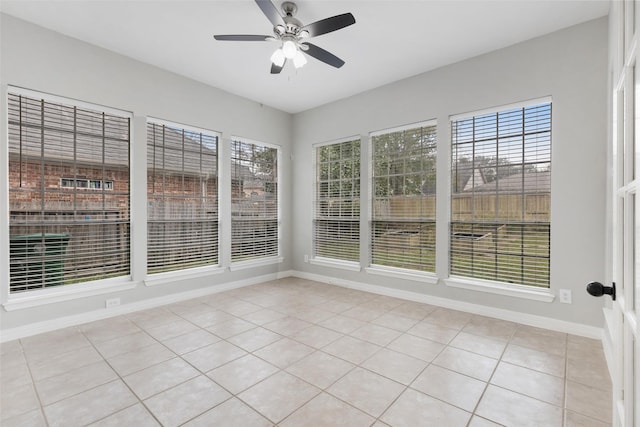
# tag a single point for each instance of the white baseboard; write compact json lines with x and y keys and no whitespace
{"x":483,"y":310}
{"x":286,"y":273}
{"x":91,"y":316}
{"x":514,"y":316}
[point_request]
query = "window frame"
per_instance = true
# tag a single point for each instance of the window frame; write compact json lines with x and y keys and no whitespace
{"x":494,"y":286}
{"x":352,"y":265}
{"x":267,"y":259}
{"x":170,"y":275}
{"x":33,"y":298}
{"x":429,"y":277}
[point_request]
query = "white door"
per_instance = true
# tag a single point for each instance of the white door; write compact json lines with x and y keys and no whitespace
{"x":622,"y":324}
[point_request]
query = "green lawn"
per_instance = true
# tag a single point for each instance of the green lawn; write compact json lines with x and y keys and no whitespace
{"x":516,"y":254}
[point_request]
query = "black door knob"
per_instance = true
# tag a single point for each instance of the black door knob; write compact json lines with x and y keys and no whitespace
{"x":597,"y":289}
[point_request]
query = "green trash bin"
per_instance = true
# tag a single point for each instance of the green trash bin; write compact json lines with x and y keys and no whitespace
{"x":37,"y":260}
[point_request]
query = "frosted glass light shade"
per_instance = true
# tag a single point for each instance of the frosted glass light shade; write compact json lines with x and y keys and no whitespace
{"x":289,"y":48}
{"x":278,"y":57}
{"x":299,"y":60}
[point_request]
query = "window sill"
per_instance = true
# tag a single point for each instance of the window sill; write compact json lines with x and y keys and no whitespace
{"x":172,"y":276}
{"x":403,"y":273}
{"x":335,"y":263}
{"x":508,"y":289}
{"x":243,"y":265}
{"x":56,"y":294}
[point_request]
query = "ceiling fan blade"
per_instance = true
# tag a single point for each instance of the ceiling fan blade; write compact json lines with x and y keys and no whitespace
{"x":275,"y":69}
{"x":328,"y":25}
{"x":322,"y":55}
{"x":242,"y":37}
{"x":270,"y":11}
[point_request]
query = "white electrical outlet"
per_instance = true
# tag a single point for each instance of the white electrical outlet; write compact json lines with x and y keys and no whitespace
{"x":306,"y":258}
{"x":113,"y":302}
{"x":565,"y":296}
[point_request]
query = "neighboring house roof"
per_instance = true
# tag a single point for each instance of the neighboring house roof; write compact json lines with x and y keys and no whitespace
{"x":476,"y":179}
{"x":59,"y":147}
{"x":534,"y":182}
{"x":65,"y":129}
{"x":240,"y":171}
{"x":173,"y":155}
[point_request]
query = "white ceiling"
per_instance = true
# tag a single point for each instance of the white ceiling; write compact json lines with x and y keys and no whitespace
{"x":391,"y":40}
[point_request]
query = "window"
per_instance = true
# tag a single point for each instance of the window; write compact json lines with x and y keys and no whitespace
{"x":501,"y":188}
{"x":337,"y":201}
{"x":254,"y":201}
{"x":74,"y":230}
{"x":404,"y":197}
{"x":95,"y":184}
{"x":182,"y":197}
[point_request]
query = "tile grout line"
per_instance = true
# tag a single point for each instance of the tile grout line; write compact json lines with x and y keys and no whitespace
{"x":121,"y":379}
{"x":33,"y":385}
{"x":408,"y":386}
{"x":488,"y":382}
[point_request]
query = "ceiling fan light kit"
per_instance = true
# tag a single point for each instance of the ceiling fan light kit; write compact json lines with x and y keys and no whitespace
{"x":291,"y":33}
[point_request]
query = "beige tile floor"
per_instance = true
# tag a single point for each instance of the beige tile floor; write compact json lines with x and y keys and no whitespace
{"x":298,"y":353}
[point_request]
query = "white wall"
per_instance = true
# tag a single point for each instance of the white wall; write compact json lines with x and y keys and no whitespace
{"x":571,"y":67}
{"x":38,"y":59}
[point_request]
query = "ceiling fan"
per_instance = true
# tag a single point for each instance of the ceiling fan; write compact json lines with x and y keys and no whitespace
{"x":288,"y":30}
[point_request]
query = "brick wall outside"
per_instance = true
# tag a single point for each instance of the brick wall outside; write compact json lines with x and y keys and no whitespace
{"x":26,"y":187}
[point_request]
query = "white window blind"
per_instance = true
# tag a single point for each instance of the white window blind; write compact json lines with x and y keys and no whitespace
{"x":404,"y":197}
{"x":182,"y":193}
{"x":337,"y":201}
{"x":63,"y":230}
{"x":254,"y":201}
{"x":501,"y":188}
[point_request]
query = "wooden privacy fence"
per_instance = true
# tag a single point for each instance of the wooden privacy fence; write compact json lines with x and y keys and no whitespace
{"x":176,"y":208}
{"x":405,"y":207}
{"x":98,"y":240}
{"x":464,"y":207}
{"x":507,"y":207}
